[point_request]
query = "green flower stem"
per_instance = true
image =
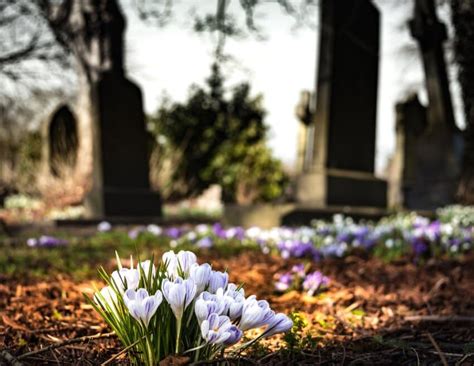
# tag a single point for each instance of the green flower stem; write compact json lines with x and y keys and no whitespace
{"x":178,"y":335}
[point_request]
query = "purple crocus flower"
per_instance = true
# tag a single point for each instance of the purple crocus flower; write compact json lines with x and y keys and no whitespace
{"x":46,"y":242}
{"x":174,"y":232}
{"x":204,"y":243}
{"x":284,"y":282}
{"x":299,"y":270}
{"x":219,"y":231}
{"x":135,"y":232}
{"x":314,"y":281}
{"x":419,"y":247}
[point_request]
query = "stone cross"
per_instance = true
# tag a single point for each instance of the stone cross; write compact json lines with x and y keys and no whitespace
{"x":304,"y":111}
{"x":430,"y":33}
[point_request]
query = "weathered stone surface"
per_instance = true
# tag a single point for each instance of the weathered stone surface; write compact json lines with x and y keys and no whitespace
{"x":340,"y":170}
{"x":121,"y":164}
{"x":347,"y":85}
{"x":429,"y":145}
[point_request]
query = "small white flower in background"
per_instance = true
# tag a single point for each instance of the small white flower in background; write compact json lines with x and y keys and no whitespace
{"x":191,"y":236}
{"x":104,"y":226}
{"x":142,"y":306}
{"x":201,"y":274}
{"x":215,"y":329}
{"x":202,"y":229}
{"x":253,"y":232}
{"x":154,"y":229}
{"x":179,"y":294}
{"x":389,"y":243}
{"x":126,"y":278}
{"x":218,"y":280}
{"x":280,"y":323}
{"x":32,"y":242}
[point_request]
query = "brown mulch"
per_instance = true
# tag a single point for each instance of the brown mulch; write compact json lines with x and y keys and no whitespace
{"x":373,"y":313}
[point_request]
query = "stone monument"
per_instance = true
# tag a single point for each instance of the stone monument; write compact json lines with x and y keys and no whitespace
{"x":410,"y":124}
{"x":340,"y":170}
{"x":120,"y":157}
{"x":429,"y":144}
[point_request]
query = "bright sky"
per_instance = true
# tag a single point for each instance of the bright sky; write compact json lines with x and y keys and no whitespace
{"x":168,"y":60}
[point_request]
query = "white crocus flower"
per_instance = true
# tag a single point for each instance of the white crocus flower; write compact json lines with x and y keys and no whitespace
{"x":107,"y":298}
{"x":142,"y":307}
{"x":206,"y":305}
{"x":126,"y":278}
{"x":201,"y":274}
{"x":280,"y":323}
{"x":255,"y":314}
{"x":218,"y":280}
{"x":216,"y":328}
{"x":180,"y":263}
{"x":179,"y":294}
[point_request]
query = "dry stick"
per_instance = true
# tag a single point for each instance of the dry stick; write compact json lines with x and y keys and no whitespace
{"x":439,"y":318}
{"x":65,"y":343}
{"x":440,"y":353}
{"x":120,"y":353}
{"x":465,"y":357}
{"x":12,"y":360}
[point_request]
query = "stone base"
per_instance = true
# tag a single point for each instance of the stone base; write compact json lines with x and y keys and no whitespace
{"x":341,"y":188}
{"x":291,"y":214}
{"x":124,"y":203}
{"x":264,"y":215}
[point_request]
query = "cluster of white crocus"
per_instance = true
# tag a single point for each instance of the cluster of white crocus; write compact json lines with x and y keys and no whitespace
{"x":148,"y":305}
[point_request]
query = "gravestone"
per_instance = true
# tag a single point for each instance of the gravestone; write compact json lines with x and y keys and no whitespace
{"x":340,"y":170}
{"x":432,"y":166}
{"x":62,"y":142}
{"x":411,"y":122}
{"x":120,"y":149}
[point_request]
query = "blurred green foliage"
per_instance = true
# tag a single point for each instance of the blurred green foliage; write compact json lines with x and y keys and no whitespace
{"x":216,"y":137}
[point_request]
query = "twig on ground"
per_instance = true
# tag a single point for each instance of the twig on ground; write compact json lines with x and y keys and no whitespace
{"x":65,"y":343}
{"x":436,"y":346}
{"x":464,"y":358}
{"x":417,"y":357}
{"x":12,"y":360}
{"x":439,"y":318}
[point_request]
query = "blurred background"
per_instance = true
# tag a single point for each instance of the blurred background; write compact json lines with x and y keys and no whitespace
{"x":222,"y":108}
